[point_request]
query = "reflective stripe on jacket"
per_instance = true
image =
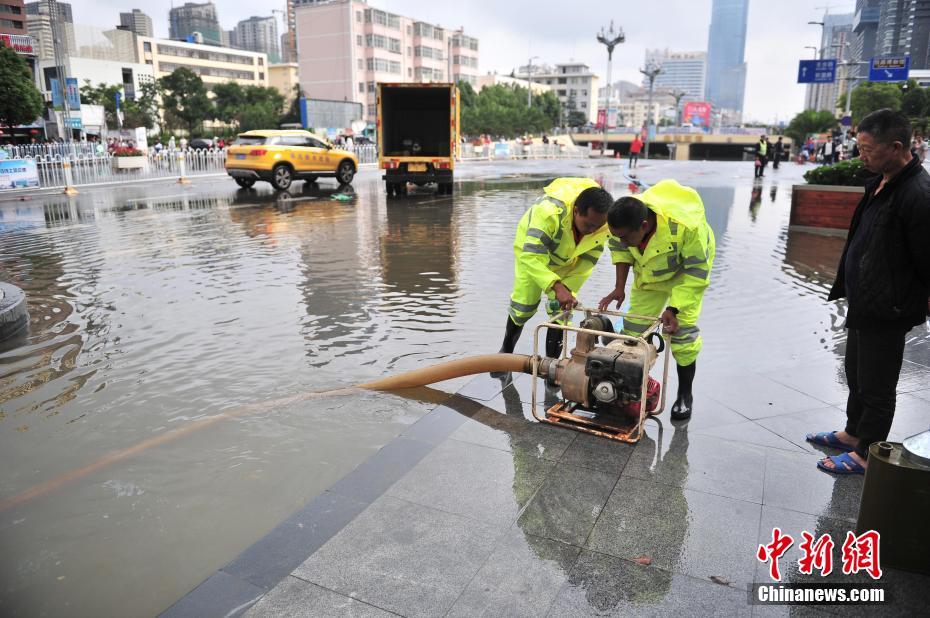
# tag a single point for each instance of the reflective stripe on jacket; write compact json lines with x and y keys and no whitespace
{"x":680,"y":254}
{"x":544,"y":246}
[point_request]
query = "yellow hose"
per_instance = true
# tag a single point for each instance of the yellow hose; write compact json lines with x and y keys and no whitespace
{"x":411,"y":379}
{"x":452,"y":369}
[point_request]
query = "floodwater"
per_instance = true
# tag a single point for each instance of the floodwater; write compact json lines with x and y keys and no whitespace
{"x":155,"y":307}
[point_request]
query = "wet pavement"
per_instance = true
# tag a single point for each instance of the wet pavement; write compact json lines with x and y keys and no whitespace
{"x":155,"y":308}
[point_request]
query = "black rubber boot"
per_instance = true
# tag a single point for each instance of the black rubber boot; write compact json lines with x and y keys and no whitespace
{"x":511,"y":336}
{"x":683,"y":406}
{"x":554,"y":342}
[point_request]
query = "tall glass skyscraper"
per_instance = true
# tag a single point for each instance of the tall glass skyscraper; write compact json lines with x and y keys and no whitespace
{"x":726,"y":47}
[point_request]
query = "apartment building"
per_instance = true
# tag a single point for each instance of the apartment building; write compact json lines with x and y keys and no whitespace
{"x":345,"y":47}
{"x":573,"y":82}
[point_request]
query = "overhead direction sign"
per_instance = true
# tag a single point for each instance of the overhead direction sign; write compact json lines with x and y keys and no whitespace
{"x":889,"y":69}
{"x":817,"y":71}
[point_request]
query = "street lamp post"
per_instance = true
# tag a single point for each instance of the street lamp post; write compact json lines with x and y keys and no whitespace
{"x":815,"y":88}
{"x":610,"y":39}
{"x":529,"y":82}
{"x":651,"y":72}
{"x":814,"y":47}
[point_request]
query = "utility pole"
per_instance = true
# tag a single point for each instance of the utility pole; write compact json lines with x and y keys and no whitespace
{"x":529,"y":81}
{"x":610,"y":39}
{"x":651,"y":72}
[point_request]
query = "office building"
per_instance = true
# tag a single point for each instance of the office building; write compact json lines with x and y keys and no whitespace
{"x":573,"y":83}
{"x":681,"y":71}
{"x":184,"y":21}
{"x":137,"y":22}
{"x":726,"y":47}
{"x":258,"y":34}
{"x":214,"y":64}
{"x":39,"y":25}
{"x":837,"y":32}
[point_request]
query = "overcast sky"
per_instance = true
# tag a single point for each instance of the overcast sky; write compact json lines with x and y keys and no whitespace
{"x":510,"y":32}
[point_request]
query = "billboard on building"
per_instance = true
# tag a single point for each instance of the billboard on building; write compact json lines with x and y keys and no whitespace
{"x":697,"y":113}
{"x":319,"y":114}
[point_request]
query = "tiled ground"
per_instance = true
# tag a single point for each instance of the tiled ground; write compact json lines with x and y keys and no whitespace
{"x":477,"y":511}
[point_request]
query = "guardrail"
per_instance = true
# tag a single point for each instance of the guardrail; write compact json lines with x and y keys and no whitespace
{"x":516,"y":150}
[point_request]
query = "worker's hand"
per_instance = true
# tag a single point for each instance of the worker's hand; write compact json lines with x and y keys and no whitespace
{"x":669,"y":322}
{"x":564,"y":296}
{"x":617,"y":295}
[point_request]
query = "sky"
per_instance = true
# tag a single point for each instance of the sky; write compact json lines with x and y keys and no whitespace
{"x":510,"y":32}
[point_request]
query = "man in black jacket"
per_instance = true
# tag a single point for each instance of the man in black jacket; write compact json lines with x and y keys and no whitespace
{"x":884,"y":274}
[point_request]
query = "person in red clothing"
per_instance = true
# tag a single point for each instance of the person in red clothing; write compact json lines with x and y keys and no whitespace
{"x":635,"y":148}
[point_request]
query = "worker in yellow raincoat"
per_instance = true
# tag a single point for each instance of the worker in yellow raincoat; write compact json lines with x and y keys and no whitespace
{"x":558,"y":242}
{"x":664,"y":236}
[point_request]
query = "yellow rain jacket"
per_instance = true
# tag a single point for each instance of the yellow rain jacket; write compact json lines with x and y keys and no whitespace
{"x":545,"y":251}
{"x":674,"y":269}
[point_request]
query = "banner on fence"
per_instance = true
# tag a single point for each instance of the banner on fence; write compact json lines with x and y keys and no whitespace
{"x":18,"y":174}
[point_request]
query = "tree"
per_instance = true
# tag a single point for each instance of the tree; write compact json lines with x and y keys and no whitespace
{"x":292,"y":115}
{"x":913,"y":100}
{"x":228,"y":101}
{"x":807,"y":122}
{"x":502,"y":110}
{"x":21,"y":102}
{"x":103,"y":95}
{"x":548,"y":103}
{"x":185,"y":98}
{"x":143,"y":111}
{"x":870,"y":96}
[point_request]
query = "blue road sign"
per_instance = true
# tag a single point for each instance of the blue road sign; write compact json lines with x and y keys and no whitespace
{"x":817,"y":71}
{"x":889,"y":69}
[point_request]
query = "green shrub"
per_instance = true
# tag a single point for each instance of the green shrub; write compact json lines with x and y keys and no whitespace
{"x":850,"y":173}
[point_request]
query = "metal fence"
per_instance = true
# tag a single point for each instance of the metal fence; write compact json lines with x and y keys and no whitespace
{"x":516,"y":150}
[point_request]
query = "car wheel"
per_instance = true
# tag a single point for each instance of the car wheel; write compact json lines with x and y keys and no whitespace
{"x":345,"y":173}
{"x":281,"y":177}
{"x":245,"y":183}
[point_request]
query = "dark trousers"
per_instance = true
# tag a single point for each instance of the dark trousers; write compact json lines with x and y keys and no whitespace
{"x":775,"y":161}
{"x":634,"y":157}
{"x":873,"y":362}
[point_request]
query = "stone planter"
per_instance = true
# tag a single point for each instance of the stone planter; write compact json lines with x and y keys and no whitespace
{"x":129,"y":163}
{"x":823,"y":209}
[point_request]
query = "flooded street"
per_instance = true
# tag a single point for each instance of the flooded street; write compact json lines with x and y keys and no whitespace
{"x":153,"y":308}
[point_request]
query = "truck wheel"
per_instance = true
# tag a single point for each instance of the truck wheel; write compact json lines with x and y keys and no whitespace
{"x":282,"y":177}
{"x":245,"y":183}
{"x":345,"y":173}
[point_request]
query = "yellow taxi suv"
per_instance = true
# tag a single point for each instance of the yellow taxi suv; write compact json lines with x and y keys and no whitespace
{"x":281,"y":157}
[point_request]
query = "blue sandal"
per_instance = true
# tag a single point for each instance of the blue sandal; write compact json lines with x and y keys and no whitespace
{"x":842,"y":464}
{"x":828,"y":438}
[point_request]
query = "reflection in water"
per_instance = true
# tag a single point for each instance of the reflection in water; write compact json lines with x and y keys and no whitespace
{"x":755,"y":201}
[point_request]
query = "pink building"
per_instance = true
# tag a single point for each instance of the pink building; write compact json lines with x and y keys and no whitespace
{"x":345,"y":47}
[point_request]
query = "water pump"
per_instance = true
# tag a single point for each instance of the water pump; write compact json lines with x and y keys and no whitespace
{"x":604,"y":379}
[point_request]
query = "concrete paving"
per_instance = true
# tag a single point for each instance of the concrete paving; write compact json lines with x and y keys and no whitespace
{"x":476,"y":511}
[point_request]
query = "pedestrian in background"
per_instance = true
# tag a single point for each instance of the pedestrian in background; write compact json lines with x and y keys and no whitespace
{"x":762,"y":151}
{"x":884,"y":274}
{"x":635,"y":148}
{"x":778,"y":151}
